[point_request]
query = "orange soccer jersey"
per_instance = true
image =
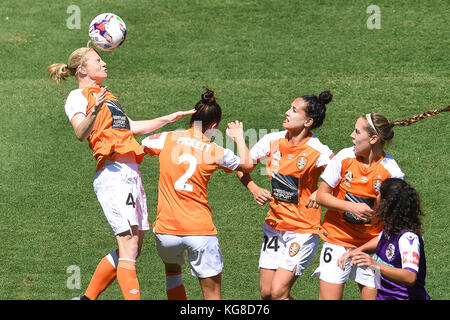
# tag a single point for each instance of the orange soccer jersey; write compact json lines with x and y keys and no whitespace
{"x":187,"y":160}
{"x":294,"y":171}
{"x":356,"y":183}
{"x":111,"y":132}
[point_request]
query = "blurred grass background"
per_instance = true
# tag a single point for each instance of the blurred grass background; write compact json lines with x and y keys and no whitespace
{"x":258,"y":56}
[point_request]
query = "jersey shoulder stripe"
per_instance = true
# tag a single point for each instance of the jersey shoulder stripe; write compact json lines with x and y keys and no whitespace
{"x":392,"y":167}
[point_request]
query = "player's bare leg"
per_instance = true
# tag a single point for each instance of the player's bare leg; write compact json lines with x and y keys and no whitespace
{"x":367,"y":293}
{"x":331,"y":291}
{"x":282,"y":283}
{"x":211,"y":287}
{"x":265,"y":283}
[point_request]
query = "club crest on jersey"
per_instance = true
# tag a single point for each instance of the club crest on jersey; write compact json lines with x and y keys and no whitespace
{"x":376,"y":183}
{"x":293,"y":249}
{"x":302,"y":161}
{"x":390,"y":251}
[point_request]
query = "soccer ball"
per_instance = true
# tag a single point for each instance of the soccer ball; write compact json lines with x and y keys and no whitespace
{"x":107,"y":31}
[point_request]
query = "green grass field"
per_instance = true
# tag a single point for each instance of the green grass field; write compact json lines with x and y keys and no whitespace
{"x":258,"y":56}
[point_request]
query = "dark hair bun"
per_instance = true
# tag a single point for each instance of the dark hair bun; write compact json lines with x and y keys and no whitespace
{"x":208,"y":97}
{"x":325,"y":97}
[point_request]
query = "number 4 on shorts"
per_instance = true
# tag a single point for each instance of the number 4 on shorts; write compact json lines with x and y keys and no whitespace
{"x":130,"y":200}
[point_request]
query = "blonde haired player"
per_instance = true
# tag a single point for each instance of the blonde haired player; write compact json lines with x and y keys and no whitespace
{"x":97,"y":116}
{"x":295,"y":159}
{"x":184,"y":220}
{"x":349,"y":188}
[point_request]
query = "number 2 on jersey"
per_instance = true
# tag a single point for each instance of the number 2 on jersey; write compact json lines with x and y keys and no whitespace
{"x":181,"y":183}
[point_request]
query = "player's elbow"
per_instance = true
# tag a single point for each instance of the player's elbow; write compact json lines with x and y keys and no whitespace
{"x":81,"y":137}
{"x":320,"y":198}
{"x":246,"y":167}
{"x":410,"y":278}
{"x":322,"y":193}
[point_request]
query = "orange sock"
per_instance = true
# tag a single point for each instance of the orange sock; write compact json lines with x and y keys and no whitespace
{"x":174,"y":286}
{"x":127,"y":278}
{"x":104,"y":275}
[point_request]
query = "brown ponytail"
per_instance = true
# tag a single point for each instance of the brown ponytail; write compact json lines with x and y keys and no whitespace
{"x":417,"y":117}
{"x":384,"y":129}
{"x":58,"y":72}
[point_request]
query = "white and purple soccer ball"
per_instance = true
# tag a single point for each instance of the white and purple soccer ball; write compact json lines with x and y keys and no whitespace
{"x":107,"y":31}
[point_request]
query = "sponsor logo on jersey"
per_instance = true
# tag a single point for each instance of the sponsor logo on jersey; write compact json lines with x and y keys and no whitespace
{"x":119,"y":119}
{"x":410,"y":257}
{"x":348,"y":177}
{"x":380,"y":260}
{"x":410,"y":239}
{"x":349,"y":216}
{"x":285,"y":188}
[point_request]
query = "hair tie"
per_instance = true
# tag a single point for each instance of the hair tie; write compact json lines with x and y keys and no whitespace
{"x":369,"y":120}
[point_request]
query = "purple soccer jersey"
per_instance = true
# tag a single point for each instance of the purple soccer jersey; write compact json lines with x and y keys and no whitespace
{"x":404,"y":251}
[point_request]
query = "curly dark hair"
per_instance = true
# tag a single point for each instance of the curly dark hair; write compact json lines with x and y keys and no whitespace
{"x":399,"y":207}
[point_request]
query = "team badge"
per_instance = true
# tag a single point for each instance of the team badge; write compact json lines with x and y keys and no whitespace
{"x":376,"y":184}
{"x":302,"y":161}
{"x":293,"y":249}
{"x":390,"y":251}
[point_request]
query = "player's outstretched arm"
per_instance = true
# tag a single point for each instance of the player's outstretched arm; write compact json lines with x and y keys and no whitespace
{"x":140,"y":127}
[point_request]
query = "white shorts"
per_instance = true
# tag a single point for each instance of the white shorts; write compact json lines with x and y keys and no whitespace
{"x":329,"y":270}
{"x":287,"y":250}
{"x":119,"y":190}
{"x":205,"y":257}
